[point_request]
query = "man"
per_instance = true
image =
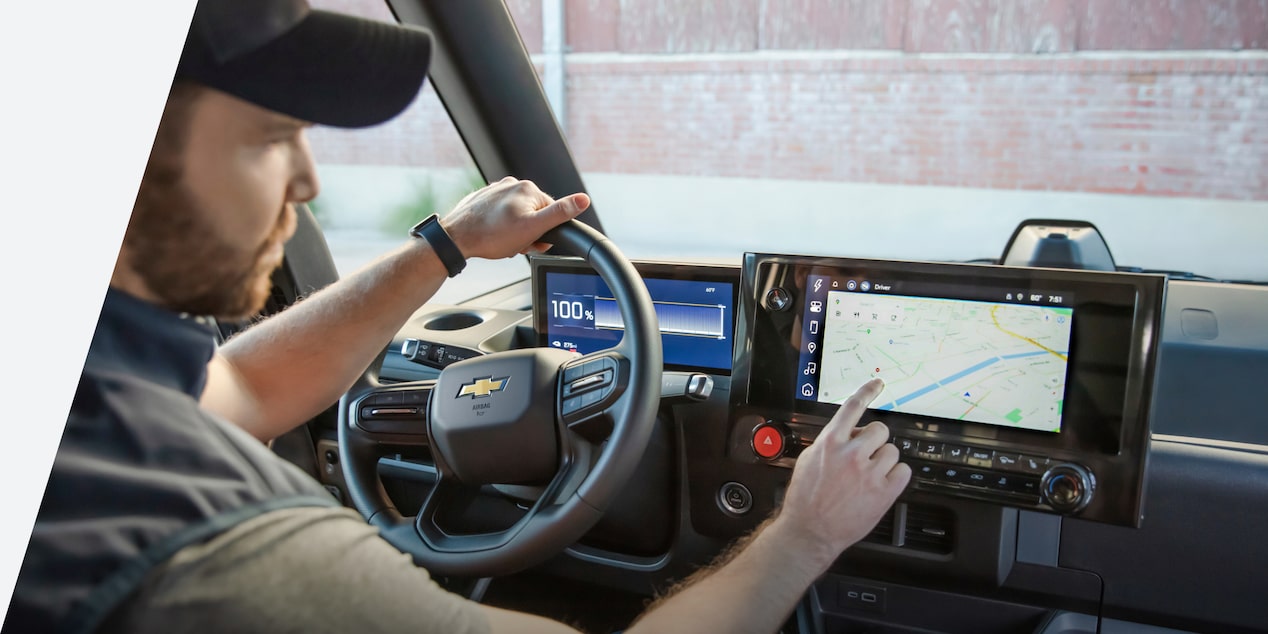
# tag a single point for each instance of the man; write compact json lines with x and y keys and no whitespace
{"x":160,"y":515}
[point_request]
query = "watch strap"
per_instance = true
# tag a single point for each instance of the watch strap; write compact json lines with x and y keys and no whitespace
{"x":450,"y":255}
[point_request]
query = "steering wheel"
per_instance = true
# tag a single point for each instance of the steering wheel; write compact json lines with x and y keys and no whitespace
{"x":508,"y":418}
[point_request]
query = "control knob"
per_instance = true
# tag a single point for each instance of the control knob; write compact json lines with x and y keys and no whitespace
{"x":1068,"y":487}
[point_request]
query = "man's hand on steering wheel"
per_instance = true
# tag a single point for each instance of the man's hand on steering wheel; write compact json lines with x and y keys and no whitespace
{"x":506,"y":217}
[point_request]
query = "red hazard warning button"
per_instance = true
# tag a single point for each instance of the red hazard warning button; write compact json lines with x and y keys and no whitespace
{"x":768,"y":442}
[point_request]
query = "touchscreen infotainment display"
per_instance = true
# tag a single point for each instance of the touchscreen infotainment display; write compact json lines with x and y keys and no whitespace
{"x":576,"y":311}
{"x":957,"y":352}
{"x":1025,"y":387}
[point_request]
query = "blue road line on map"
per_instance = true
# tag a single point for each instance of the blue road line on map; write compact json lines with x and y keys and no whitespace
{"x":954,"y":377}
{"x":1026,"y":354}
{"x":963,"y":373}
{"x":918,"y":393}
{"x":886,"y":407}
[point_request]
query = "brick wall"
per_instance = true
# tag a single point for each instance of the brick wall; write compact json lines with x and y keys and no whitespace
{"x":1010,"y":94}
{"x":912,"y":26}
{"x":1185,"y":127}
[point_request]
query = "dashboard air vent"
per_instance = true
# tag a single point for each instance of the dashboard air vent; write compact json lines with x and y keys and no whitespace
{"x":884,"y":531}
{"x":929,"y":529}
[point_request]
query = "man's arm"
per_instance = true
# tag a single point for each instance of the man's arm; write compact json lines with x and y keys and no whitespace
{"x":285,"y":370}
{"x":840,"y":488}
{"x":326,"y":569}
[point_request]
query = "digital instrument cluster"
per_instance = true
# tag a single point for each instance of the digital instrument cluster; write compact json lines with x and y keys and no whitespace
{"x":573,"y":309}
{"x":1026,"y":387}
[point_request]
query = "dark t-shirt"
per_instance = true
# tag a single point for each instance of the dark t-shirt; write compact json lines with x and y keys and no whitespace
{"x":151,"y":493}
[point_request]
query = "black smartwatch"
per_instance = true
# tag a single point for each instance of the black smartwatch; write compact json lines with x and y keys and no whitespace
{"x":435,"y":235}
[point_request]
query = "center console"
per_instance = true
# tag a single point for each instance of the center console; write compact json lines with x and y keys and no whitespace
{"x":1024,"y":387}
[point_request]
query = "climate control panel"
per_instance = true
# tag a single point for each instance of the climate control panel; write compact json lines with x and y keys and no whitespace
{"x":1015,"y":478}
{"x":1001,"y":475}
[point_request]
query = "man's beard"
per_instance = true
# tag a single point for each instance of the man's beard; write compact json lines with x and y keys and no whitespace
{"x":176,"y":251}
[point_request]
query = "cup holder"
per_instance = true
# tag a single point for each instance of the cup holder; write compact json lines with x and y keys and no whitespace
{"x":454,"y":321}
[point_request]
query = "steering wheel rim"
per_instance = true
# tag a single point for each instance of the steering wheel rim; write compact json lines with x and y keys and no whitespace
{"x":587,"y":476}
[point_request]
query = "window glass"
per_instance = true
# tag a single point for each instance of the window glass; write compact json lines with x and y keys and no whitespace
{"x":378,"y":182}
{"x":915,"y":129}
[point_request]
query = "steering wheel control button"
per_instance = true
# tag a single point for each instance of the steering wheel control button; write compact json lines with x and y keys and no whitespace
{"x":735,"y":498}
{"x":574,"y":372}
{"x":1067,"y":487}
{"x":778,"y":299}
{"x":768,"y":441}
{"x":571,"y":405}
{"x":582,"y":383}
{"x":590,"y":398}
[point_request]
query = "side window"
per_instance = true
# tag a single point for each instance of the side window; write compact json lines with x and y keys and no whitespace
{"x":378,"y":182}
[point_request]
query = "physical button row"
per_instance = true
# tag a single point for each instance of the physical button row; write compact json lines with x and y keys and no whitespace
{"x":972,"y":456}
{"x":396,"y":398}
{"x":976,"y":478}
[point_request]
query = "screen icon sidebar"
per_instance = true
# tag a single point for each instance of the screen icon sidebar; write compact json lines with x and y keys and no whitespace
{"x":817,"y":287}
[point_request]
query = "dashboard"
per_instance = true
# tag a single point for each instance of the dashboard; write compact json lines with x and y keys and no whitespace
{"x":1069,"y":370}
{"x":1027,"y":388}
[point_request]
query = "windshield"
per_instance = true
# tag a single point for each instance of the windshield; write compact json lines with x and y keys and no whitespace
{"x":915,"y":130}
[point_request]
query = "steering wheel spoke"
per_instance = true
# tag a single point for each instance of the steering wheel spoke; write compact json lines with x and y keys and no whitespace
{"x":393,"y":416}
{"x":448,"y":493}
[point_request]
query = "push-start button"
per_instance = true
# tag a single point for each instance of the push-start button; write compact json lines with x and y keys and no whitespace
{"x":768,"y":442}
{"x":735,"y":498}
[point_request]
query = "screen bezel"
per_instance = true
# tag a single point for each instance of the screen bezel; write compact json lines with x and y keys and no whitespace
{"x":718,"y":273}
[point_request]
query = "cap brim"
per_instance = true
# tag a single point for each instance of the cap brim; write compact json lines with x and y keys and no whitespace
{"x":332,"y":69}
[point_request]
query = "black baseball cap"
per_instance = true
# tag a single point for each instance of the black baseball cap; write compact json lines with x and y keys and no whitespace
{"x":317,"y":66}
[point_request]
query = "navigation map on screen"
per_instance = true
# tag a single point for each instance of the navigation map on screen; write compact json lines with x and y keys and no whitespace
{"x":985,"y":362}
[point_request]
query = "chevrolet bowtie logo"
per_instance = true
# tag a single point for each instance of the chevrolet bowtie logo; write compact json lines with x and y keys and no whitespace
{"x":482,"y":387}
